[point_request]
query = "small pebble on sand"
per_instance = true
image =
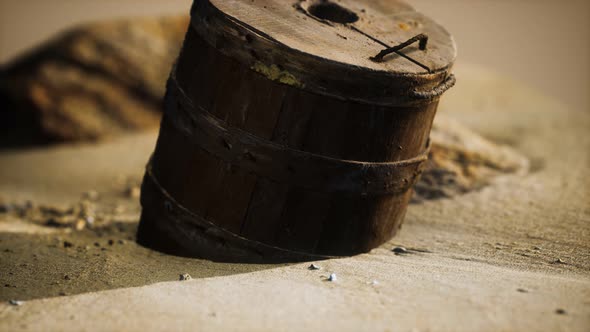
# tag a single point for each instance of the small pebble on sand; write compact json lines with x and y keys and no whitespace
{"x":560,"y":311}
{"x":332,"y":277}
{"x":559,"y":261}
{"x":522,"y":290}
{"x":80,"y":224}
{"x":184,"y":277}
{"x":15,"y":302}
{"x":400,"y":250}
{"x":133,"y":192}
{"x":90,"y":220}
{"x":313,"y":267}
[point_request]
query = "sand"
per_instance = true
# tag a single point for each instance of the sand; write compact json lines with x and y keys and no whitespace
{"x":512,"y":256}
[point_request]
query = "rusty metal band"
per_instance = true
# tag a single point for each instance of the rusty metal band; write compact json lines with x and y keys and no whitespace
{"x":281,"y":163}
{"x":195,"y":231}
{"x":437,"y":91}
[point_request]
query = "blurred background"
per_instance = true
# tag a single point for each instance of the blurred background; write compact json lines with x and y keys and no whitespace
{"x":545,"y":44}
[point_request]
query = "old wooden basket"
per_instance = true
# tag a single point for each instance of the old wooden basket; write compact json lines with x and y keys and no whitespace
{"x":293,"y":130}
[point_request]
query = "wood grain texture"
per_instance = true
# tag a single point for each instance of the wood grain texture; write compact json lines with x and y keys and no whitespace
{"x":288,"y":46}
{"x":263,"y":153}
{"x":291,"y":23}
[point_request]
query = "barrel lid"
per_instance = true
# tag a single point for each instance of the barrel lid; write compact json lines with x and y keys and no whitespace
{"x":330,"y":46}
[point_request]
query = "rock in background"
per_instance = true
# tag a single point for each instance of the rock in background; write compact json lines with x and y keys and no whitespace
{"x":92,"y":82}
{"x":461,"y":161}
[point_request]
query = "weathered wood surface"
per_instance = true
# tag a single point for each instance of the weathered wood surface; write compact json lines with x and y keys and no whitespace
{"x":288,"y":43}
{"x":336,"y":144}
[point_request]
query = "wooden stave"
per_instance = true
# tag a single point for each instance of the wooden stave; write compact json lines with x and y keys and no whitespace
{"x":379,"y":219}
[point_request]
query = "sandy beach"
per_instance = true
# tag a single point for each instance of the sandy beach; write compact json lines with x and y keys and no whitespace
{"x":512,"y":256}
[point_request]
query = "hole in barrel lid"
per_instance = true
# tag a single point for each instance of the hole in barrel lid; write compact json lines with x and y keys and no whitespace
{"x":333,"y":12}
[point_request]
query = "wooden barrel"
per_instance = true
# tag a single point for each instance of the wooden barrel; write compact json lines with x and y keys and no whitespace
{"x":293,"y":130}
